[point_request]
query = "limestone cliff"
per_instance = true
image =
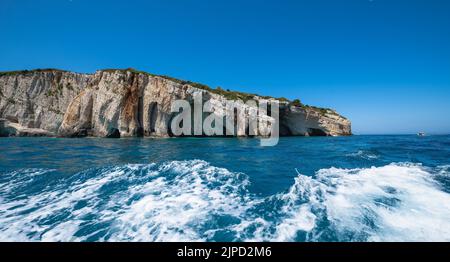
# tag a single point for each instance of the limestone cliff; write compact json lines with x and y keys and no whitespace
{"x":124,"y":103}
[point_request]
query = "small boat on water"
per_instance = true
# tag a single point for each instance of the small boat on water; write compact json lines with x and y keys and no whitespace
{"x":421,"y":134}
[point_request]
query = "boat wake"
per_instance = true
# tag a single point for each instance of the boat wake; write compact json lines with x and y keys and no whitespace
{"x":195,"y":201}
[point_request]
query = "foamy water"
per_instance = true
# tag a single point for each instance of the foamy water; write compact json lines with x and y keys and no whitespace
{"x":196,"y":201}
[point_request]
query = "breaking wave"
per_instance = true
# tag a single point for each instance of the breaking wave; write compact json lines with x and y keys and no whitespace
{"x":194,"y":201}
{"x":363,"y":155}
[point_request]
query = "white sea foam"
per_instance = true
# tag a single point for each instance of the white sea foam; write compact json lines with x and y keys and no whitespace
{"x":17,"y":222}
{"x":364,"y":155}
{"x":444,"y":170}
{"x":176,"y":209}
{"x":397,"y":202}
{"x":168,"y":202}
{"x":194,"y":201}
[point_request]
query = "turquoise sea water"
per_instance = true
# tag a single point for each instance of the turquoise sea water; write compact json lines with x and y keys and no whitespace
{"x":360,"y":188}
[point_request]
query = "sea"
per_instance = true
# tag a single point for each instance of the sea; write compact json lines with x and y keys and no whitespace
{"x":306,"y":189}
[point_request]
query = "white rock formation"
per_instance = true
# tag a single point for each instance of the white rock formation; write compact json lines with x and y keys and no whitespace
{"x":122,"y":103}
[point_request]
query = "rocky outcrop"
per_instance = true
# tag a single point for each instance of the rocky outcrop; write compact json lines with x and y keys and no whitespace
{"x":39,"y":99}
{"x":8,"y":128}
{"x":126,"y":103}
{"x":299,"y":121}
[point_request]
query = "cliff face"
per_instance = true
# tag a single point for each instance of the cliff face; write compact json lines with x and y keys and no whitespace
{"x":123,"y":103}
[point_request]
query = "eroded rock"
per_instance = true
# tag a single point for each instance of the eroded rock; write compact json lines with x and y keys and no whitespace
{"x":126,"y":103}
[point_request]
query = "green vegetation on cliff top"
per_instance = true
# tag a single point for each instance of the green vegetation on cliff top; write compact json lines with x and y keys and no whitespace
{"x":18,"y":72}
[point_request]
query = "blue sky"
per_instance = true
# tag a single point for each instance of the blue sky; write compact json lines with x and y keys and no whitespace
{"x":385,"y":64}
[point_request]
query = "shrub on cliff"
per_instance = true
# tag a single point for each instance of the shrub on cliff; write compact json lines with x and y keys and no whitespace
{"x":297,"y":103}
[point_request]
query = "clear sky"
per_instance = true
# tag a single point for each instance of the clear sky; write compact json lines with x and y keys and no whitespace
{"x":385,"y":64}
